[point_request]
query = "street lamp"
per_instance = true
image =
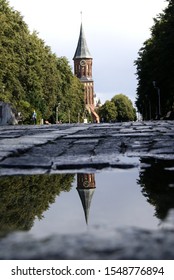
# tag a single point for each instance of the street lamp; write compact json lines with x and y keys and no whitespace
{"x":57,"y":113}
{"x":79,"y":116}
{"x":69,"y":115}
{"x":159,"y":102}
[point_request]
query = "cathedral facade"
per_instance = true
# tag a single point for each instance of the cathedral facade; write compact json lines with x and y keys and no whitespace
{"x":83,"y":70}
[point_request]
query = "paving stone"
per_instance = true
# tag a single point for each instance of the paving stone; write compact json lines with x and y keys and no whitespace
{"x":75,"y":146}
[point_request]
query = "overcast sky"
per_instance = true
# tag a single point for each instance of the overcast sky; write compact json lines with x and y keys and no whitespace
{"x":115,"y":31}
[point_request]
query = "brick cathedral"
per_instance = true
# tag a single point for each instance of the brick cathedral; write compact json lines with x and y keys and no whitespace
{"x":83,"y":70}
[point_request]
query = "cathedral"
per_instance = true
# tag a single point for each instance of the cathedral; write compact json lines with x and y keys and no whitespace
{"x":86,"y":187}
{"x":83,"y":70}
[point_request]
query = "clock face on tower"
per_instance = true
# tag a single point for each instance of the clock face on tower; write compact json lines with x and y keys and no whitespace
{"x":82,"y":62}
{"x":86,"y":184}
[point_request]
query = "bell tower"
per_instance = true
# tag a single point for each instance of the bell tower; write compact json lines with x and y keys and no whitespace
{"x":83,"y":67}
{"x":83,"y":70}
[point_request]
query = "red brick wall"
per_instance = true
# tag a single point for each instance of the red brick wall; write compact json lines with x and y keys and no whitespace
{"x":83,"y":72}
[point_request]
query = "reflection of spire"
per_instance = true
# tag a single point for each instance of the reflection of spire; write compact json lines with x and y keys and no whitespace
{"x":85,"y":188}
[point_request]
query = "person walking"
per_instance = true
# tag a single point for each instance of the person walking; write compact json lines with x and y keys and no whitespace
{"x":34,"y":117}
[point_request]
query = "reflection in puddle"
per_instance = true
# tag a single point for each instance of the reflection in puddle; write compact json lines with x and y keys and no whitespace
{"x":156,"y":178}
{"x":23,"y":198}
{"x":85,"y":188}
{"x":50,"y":204}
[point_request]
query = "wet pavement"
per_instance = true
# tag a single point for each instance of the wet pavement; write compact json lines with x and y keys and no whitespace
{"x":55,"y":148}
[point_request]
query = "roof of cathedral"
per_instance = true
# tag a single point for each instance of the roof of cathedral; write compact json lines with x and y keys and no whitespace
{"x":86,"y":197}
{"x":82,"y":50}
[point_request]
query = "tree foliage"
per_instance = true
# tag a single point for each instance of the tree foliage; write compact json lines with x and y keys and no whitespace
{"x":155,"y":62}
{"x":120,"y":108}
{"x":125,"y":109}
{"x":108,"y":111}
{"x":31,"y":76}
{"x":155,"y":180}
{"x":27,"y":197}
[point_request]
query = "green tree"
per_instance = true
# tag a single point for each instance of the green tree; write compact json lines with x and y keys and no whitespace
{"x":124,"y":107}
{"x":108,"y":111}
{"x":23,"y":198}
{"x":155,"y":181}
{"x":71,"y":98}
{"x":13,"y":33}
{"x":155,"y":62}
{"x":31,"y":76}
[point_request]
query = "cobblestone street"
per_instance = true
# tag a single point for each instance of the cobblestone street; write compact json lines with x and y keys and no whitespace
{"x":50,"y":149}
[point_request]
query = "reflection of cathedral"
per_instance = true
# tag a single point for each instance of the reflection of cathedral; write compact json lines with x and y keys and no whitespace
{"x":85,"y":188}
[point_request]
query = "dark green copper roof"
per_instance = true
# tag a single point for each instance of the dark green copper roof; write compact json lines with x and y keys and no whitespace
{"x":82,"y":50}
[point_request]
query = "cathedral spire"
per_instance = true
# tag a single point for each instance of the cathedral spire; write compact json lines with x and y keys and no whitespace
{"x":86,"y":188}
{"x":82,"y":50}
{"x":83,"y":70}
{"x":86,"y":197}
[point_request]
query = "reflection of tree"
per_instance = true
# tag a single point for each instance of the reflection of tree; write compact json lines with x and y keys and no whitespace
{"x":156,"y":180}
{"x":23,"y":198}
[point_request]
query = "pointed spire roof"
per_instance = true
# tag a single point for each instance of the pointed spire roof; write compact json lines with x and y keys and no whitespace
{"x":86,"y":197}
{"x":82,"y":50}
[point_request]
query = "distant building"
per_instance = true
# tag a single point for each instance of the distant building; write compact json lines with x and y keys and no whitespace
{"x":83,"y":70}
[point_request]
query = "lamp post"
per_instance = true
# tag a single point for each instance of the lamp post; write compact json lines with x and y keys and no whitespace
{"x":159,"y":97}
{"x":69,"y":115}
{"x":79,"y":116}
{"x":57,"y":113}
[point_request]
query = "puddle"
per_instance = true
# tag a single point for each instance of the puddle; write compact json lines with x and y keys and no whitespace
{"x":75,"y":203}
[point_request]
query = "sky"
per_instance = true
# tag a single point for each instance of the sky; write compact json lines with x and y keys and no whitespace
{"x":115,"y":31}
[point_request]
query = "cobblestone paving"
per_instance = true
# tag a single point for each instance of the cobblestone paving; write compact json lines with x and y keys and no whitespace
{"x":53,"y":148}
